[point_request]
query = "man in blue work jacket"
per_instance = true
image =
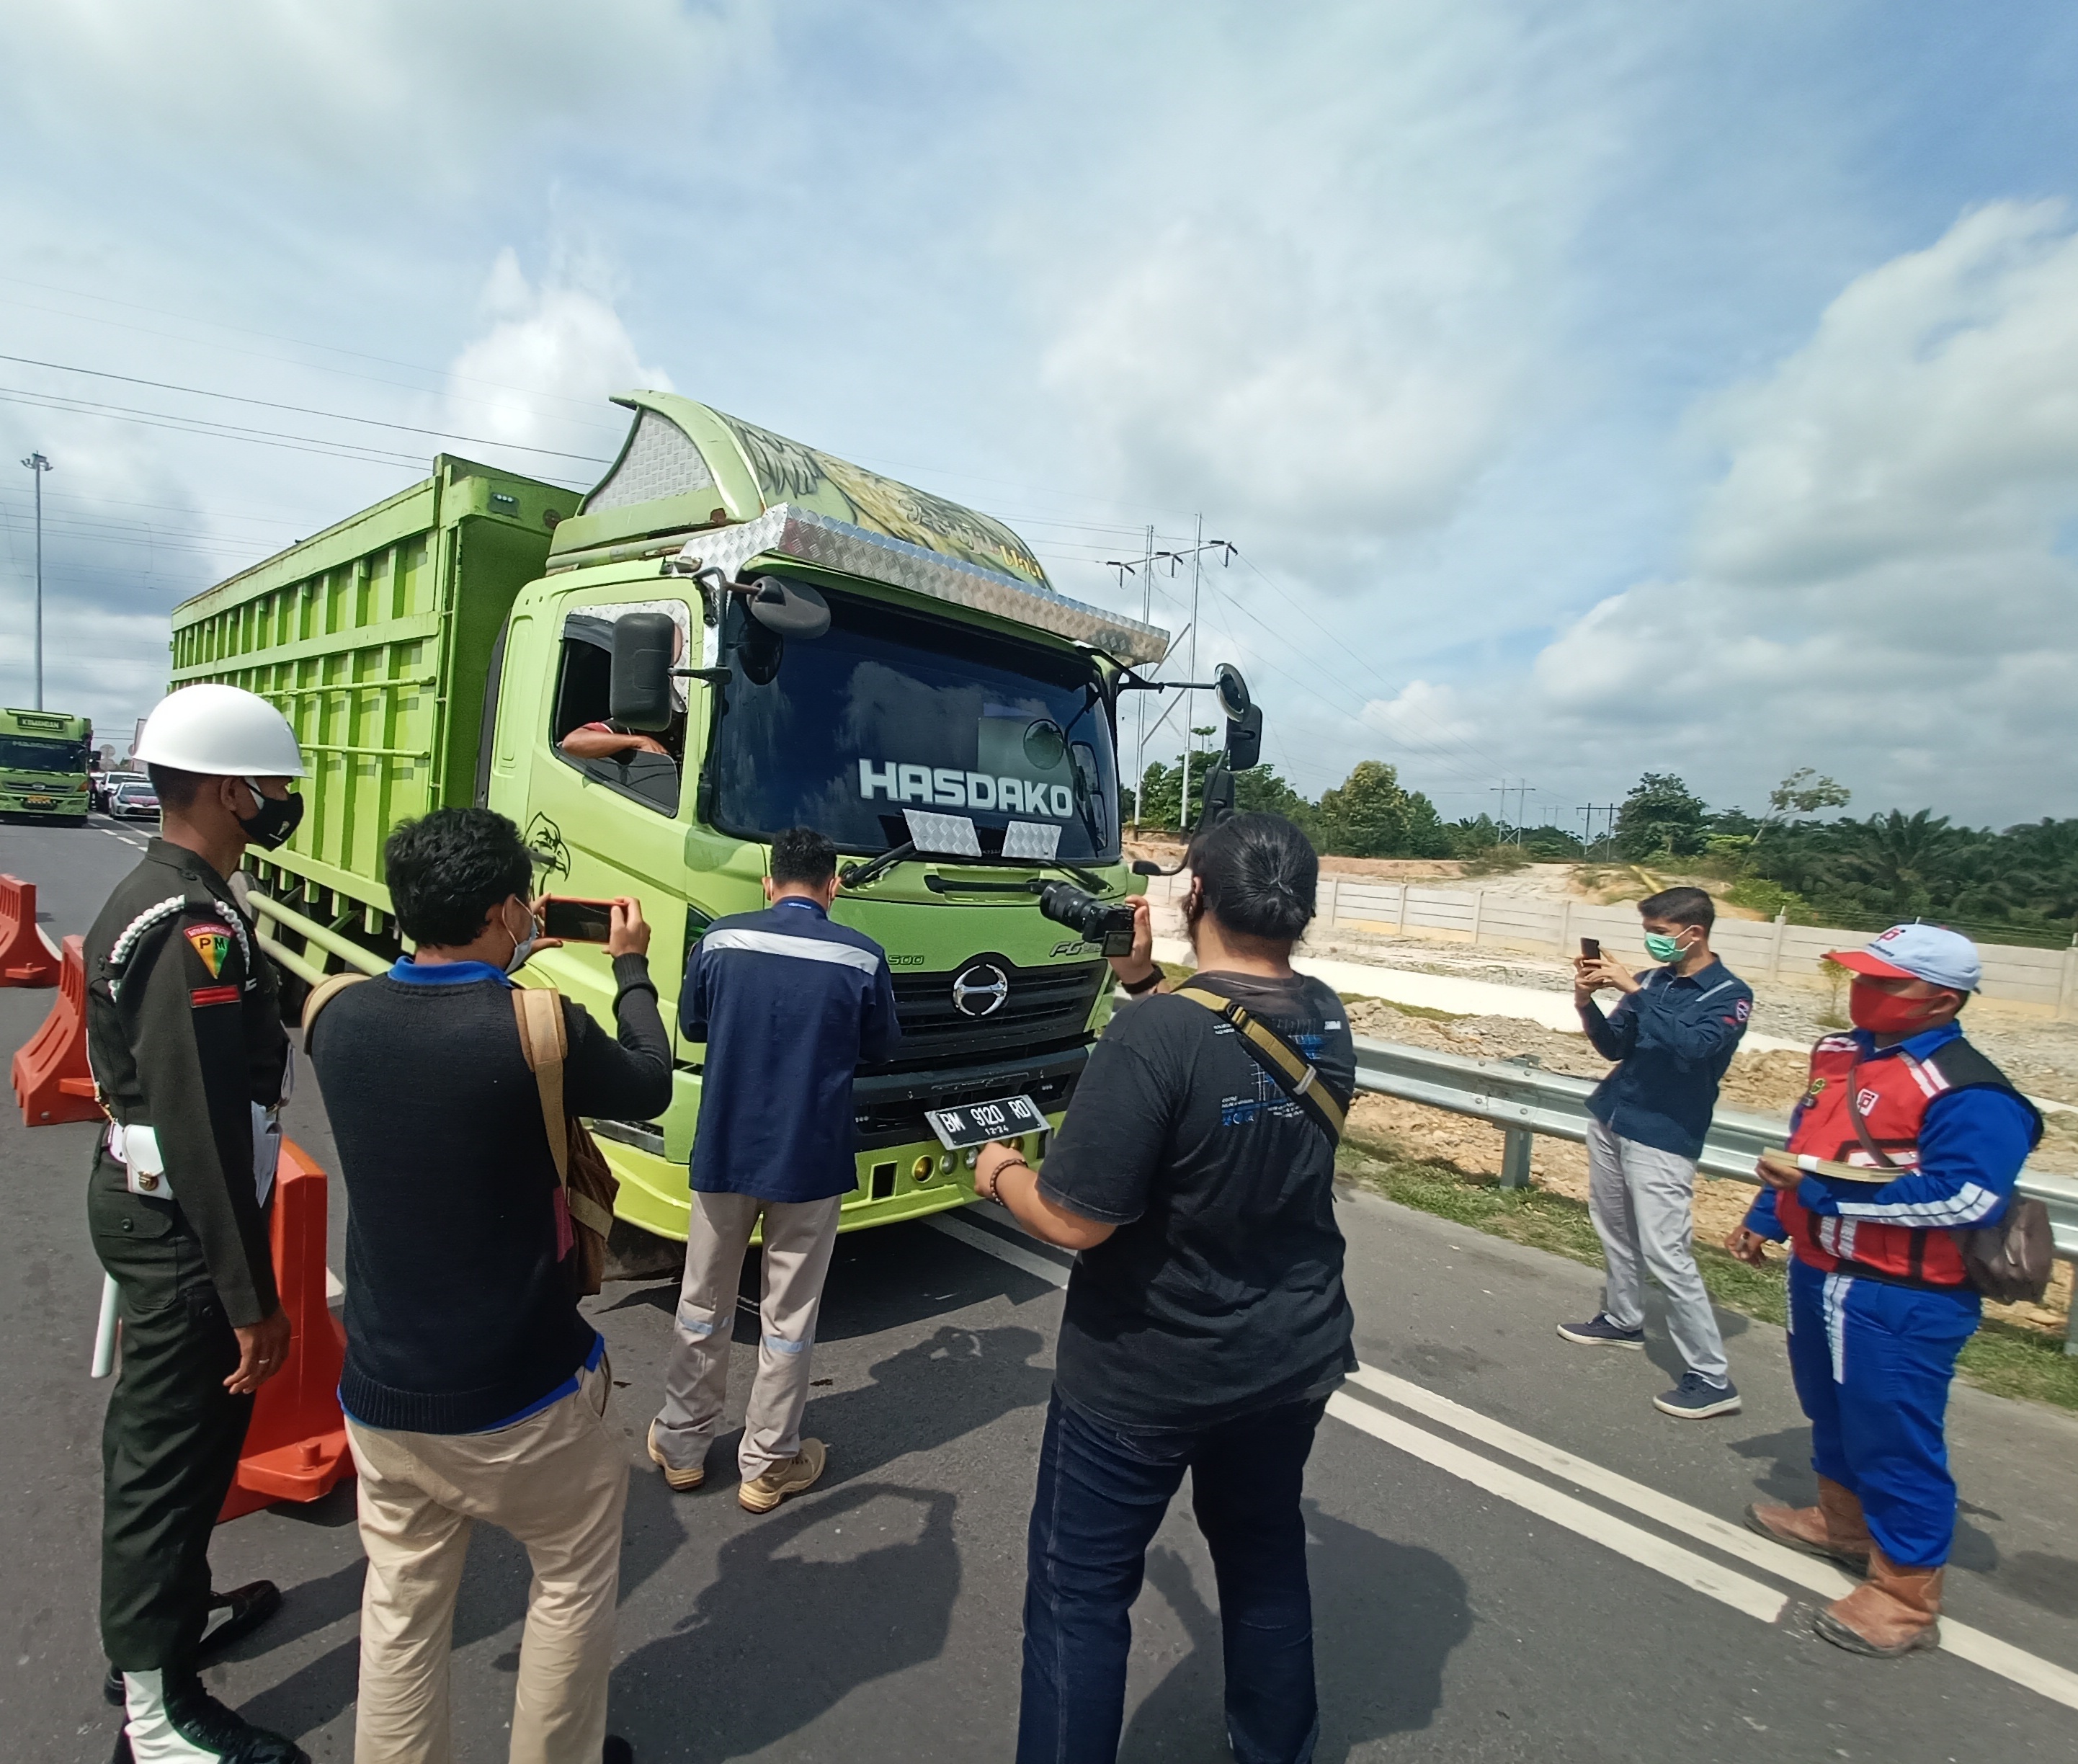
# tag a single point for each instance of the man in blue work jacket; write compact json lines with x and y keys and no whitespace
{"x":1881,"y":1301}
{"x":788,"y":1003}
{"x":1674,"y":1031}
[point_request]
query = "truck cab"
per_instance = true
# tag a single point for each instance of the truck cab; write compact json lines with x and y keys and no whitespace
{"x":849,"y":654}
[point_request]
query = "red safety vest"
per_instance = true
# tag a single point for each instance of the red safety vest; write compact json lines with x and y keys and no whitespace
{"x":1892,"y":1090}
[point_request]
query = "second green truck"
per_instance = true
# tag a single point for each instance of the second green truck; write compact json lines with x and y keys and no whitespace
{"x":797,"y":640}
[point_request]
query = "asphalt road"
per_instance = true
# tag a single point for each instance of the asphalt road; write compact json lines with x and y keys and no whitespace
{"x":1514,"y":1555}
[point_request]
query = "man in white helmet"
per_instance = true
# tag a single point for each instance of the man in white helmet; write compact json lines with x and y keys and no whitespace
{"x":185,"y":1034}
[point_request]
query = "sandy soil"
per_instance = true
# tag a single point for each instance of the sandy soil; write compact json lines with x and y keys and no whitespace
{"x":1761,"y":1082}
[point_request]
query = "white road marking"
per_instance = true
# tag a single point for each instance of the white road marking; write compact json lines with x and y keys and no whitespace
{"x":1809,"y":1572}
{"x":990,"y":1244}
{"x":1692,"y":1570}
{"x":1742,"y":1593}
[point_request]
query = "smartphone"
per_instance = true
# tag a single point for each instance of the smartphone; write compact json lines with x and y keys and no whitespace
{"x":1591,"y":948}
{"x":576,"y":921}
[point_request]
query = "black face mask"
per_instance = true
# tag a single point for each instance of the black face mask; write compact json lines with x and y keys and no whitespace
{"x":279,"y":816}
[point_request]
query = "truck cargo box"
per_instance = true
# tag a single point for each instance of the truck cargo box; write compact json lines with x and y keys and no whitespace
{"x":374,"y":638}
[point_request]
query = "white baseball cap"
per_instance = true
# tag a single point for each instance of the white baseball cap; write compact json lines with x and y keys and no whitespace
{"x":1930,"y":953}
{"x":220,"y":731}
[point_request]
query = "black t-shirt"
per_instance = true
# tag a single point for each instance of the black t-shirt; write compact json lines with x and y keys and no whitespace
{"x":1221,"y":1293}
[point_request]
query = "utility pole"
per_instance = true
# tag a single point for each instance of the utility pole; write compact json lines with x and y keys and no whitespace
{"x":1191,"y":735}
{"x":38,"y":465}
{"x":1146,"y":617}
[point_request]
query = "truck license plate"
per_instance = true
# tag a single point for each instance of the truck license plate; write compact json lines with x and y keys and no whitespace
{"x":36,"y":801}
{"x":975,"y":1123}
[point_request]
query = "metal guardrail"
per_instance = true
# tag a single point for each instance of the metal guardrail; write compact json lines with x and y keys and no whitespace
{"x":1523,"y":1100}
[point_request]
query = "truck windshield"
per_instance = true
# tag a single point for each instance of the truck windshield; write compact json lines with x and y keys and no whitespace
{"x":28,"y":753}
{"x":889,"y":711}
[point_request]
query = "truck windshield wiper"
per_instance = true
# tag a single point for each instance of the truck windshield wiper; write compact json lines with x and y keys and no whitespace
{"x":859,"y":875}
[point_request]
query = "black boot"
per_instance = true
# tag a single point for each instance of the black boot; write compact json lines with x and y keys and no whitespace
{"x":173,"y":1720}
{"x":231,"y":1614}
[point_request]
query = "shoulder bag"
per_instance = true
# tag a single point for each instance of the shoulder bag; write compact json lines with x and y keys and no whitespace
{"x":589,"y":1186}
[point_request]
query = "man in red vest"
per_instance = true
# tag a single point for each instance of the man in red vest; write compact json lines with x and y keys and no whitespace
{"x":1879,"y":1301}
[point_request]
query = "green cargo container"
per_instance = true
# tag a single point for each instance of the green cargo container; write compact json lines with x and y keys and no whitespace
{"x":374,"y":637}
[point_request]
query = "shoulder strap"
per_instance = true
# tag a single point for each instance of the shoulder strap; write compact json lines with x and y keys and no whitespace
{"x":1884,"y":1161}
{"x":1964,"y":1066}
{"x":321,"y":995}
{"x":540,"y":1011}
{"x":1294,"y":1075}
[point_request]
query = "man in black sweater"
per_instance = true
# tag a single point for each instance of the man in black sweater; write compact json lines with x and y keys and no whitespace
{"x":474,"y":1387}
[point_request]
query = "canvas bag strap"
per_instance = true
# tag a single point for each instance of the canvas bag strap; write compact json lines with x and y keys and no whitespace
{"x":1884,"y":1160}
{"x":540,"y":1010}
{"x":321,"y":995}
{"x":1295,"y":1075}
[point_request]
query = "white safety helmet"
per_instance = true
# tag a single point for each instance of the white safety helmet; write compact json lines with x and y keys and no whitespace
{"x":220,"y":731}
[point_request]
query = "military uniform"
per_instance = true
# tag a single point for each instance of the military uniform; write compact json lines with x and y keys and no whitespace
{"x":185,"y":1035}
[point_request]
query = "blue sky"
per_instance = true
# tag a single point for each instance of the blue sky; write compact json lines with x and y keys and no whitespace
{"x":1589,"y":388}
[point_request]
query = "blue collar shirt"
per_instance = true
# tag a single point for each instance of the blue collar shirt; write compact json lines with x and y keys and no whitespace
{"x":1674,"y":1037}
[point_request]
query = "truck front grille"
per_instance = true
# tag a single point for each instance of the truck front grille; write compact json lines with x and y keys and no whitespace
{"x":1044,"y":1008}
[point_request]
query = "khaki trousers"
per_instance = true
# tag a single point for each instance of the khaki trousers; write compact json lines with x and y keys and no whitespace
{"x":557,"y":1481}
{"x":798,"y":1238}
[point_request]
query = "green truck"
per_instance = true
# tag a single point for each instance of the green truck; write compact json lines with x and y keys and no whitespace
{"x":797,"y":640}
{"x":44,"y":758}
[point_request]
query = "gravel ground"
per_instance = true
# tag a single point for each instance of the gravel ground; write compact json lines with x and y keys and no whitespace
{"x":2039,"y":1055}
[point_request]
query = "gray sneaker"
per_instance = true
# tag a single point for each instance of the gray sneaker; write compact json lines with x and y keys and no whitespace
{"x":1598,"y":1332}
{"x":1696,"y":1399}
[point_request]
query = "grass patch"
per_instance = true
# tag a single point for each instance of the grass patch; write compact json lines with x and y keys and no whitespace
{"x":1427,"y":1011}
{"x":2001,"y":1358}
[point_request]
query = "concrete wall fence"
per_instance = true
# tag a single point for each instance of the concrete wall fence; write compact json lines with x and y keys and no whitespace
{"x":2044,"y":980}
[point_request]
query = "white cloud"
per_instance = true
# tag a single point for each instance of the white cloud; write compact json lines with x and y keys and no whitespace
{"x":1333,"y":306}
{"x":539,"y":375}
{"x":431,"y":93}
{"x":1422,"y":714}
{"x":1882,"y":580}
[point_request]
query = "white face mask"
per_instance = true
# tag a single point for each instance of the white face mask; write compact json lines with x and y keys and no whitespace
{"x":521,"y":949}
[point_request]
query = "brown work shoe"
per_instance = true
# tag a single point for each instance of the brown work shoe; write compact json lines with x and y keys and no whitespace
{"x":681,"y":1480}
{"x":1835,"y":1528}
{"x":789,"y":1476}
{"x":1893,"y":1611}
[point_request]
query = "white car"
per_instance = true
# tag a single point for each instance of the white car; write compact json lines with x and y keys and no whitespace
{"x":134,"y":801}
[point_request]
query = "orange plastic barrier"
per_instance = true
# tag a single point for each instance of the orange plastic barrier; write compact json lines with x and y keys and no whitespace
{"x":295,"y":1448}
{"x":25,"y":958}
{"x":52,"y":1081}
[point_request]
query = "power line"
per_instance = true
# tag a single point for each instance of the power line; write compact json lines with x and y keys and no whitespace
{"x":302,"y":409}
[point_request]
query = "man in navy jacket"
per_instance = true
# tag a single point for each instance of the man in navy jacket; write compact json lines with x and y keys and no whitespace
{"x":788,"y":1004}
{"x":1674,"y":1031}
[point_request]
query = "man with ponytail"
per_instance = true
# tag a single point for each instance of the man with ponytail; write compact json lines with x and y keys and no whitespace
{"x":1205,"y":1324}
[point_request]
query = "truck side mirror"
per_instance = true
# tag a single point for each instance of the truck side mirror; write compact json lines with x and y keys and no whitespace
{"x":639,"y":690}
{"x":1245,"y":740}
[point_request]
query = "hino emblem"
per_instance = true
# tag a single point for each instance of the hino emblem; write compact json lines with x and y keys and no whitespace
{"x":979,"y":991}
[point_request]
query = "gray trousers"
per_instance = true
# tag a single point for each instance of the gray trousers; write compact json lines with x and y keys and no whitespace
{"x":798,"y":1238}
{"x":1642,"y":1201}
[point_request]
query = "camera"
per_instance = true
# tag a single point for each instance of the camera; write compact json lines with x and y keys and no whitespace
{"x":1108,"y":927}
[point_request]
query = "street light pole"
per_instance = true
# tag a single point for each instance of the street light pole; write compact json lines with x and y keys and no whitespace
{"x":38,"y":465}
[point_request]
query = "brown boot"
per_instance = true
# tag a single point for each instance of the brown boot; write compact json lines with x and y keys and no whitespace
{"x":1893,"y":1611}
{"x":1835,"y":1528}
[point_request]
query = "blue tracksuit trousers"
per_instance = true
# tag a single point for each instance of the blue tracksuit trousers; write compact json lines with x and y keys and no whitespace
{"x":1872,"y":1364}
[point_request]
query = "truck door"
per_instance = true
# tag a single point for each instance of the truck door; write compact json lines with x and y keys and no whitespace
{"x":613,"y":812}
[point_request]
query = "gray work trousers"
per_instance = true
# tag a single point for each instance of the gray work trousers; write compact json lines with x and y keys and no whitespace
{"x":1642,"y":1201}
{"x":798,"y":1238}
